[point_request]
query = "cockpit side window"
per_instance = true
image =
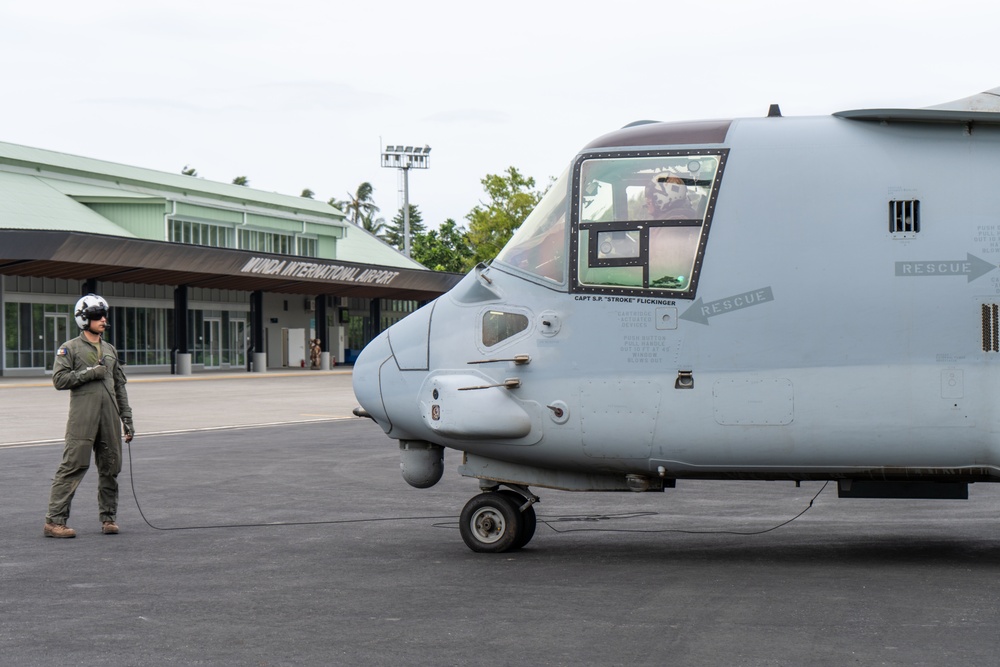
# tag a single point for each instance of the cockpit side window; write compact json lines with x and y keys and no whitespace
{"x":499,"y":325}
{"x":539,"y":246}
{"x":641,"y":220}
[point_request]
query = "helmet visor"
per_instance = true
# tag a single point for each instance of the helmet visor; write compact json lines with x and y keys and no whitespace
{"x":95,"y":313}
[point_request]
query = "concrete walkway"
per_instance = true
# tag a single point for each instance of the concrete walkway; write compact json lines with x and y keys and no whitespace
{"x":33,"y":411}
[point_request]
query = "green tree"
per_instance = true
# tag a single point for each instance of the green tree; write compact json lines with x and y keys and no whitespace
{"x":307,"y":193}
{"x":393,"y":233}
{"x":359,"y":205}
{"x":372,"y":224}
{"x":444,"y":249}
{"x":241,"y":180}
{"x":189,"y":171}
{"x":512,"y":197}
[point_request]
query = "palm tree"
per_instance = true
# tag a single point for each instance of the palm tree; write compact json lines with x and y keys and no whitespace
{"x":372,"y":224}
{"x":361,"y":205}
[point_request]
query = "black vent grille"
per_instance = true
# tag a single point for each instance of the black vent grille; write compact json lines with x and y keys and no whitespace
{"x":904,"y":217}
{"x":991,"y":327}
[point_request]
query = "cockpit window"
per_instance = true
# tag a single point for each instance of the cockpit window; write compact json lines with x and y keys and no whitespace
{"x":642,"y":220}
{"x":539,"y":245}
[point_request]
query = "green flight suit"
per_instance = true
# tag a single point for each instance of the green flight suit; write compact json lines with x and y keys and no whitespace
{"x":96,"y":410}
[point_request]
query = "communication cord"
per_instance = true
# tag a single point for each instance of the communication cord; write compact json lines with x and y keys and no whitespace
{"x":131,"y":477}
{"x":548,"y":521}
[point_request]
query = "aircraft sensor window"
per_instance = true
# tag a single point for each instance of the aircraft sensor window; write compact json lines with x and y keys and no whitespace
{"x":641,"y":219}
{"x":498,"y":326}
{"x":539,"y":246}
{"x":904,"y":218}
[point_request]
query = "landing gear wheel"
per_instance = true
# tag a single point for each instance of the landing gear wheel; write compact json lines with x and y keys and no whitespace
{"x":528,"y":519}
{"x":490,"y":523}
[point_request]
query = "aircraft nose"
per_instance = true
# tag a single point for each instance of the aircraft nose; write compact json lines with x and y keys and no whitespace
{"x":389,"y":370}
{"x":367,"y":387}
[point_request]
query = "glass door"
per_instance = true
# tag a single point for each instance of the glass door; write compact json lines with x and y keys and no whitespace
{"x":212,"y":329}
{"x":238,"y":342}
{"x":56,"y":333}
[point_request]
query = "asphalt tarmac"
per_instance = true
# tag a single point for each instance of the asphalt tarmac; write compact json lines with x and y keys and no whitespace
{"x":275,"y":529}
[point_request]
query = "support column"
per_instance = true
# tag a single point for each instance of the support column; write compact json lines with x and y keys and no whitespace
{"x":182,"y":355}
{"x":375,"y":319}
{"x":257,"y":332}
{"x":323,"y":332}
{"x":321,"y":328}
{"x":3,"y":327}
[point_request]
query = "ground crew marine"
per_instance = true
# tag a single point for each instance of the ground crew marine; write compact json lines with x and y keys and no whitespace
{"x":88,"y":366}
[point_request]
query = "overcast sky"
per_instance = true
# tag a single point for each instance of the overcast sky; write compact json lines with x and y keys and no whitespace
{"x":303,"y":93}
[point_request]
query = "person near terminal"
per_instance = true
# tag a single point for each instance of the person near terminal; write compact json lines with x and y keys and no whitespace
{"x":315,"y":353}
{"x":88,"y":367}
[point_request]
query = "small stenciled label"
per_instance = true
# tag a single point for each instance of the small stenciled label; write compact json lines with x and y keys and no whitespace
{"x":644,"y":349}
{"x":635,"y":319}
{"x":987,"y":239}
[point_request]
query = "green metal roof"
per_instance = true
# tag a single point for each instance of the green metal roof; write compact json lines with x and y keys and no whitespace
{"x":86,"y":191}
{"x":28,"y":202}
{"x":137,"y":179}
{"x":361,"y":246}
{"x":43,"y":190}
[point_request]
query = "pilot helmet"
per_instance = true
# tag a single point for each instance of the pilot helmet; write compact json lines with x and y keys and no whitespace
{"x":89,"y":307}
{"x":666,"y":192}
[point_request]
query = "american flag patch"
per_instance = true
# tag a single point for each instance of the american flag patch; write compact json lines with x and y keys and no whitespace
{"x":61,"y":352}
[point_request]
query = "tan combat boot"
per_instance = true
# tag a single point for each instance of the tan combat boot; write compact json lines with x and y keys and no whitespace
{"x":58,"y":530}
{"x":109,"y":528}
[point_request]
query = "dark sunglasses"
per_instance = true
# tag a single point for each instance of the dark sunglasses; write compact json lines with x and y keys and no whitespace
{"x":94,"y":314}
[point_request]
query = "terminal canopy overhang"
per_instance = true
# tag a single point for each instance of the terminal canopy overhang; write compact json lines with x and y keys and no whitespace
{"x":79,"y":256}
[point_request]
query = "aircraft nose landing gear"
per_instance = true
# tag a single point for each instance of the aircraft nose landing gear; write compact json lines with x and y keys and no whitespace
{"x":498,"y":521}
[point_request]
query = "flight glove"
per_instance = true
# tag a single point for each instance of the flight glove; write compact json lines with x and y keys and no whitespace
{"x":129,"y":428}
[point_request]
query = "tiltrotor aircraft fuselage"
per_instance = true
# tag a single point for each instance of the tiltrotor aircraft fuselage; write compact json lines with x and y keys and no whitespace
{"x":769,"y":298}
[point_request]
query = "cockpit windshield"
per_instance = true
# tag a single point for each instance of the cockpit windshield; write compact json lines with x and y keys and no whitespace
{"x":538,"y":247}
{"x":642,"y":220}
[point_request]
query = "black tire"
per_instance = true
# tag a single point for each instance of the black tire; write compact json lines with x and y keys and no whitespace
{"x":490,"y":523}
{"x":529,"y":521}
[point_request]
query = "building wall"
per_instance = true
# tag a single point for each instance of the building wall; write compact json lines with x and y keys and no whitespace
{"x":72,"y":193}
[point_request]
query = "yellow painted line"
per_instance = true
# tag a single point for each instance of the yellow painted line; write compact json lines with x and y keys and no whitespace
{"x":236,"y":376}
{"x":138,"y":378}
{"x":45,"y":443}
{"x":36,"y":443}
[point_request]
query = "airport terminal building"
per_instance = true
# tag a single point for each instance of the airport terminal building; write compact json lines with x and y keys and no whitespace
{"x":199,"y":275}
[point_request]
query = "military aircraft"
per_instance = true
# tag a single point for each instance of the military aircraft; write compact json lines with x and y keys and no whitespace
{"x":773,"y":298}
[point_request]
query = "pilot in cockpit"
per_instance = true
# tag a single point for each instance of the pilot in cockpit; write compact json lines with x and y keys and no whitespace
{"x":667,"y":199}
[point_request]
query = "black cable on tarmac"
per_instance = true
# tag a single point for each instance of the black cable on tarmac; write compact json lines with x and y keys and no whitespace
{"x":131,"y":477}
{"x":548,"y":521}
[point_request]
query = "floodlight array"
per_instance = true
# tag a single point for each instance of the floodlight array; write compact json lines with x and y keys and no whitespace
{"x":406,"y":157}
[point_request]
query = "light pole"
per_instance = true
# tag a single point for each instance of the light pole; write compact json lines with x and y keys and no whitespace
{"x":405,"y":158}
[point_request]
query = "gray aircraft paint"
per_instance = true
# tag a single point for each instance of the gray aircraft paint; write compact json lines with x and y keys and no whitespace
{"x":855,"y":372}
